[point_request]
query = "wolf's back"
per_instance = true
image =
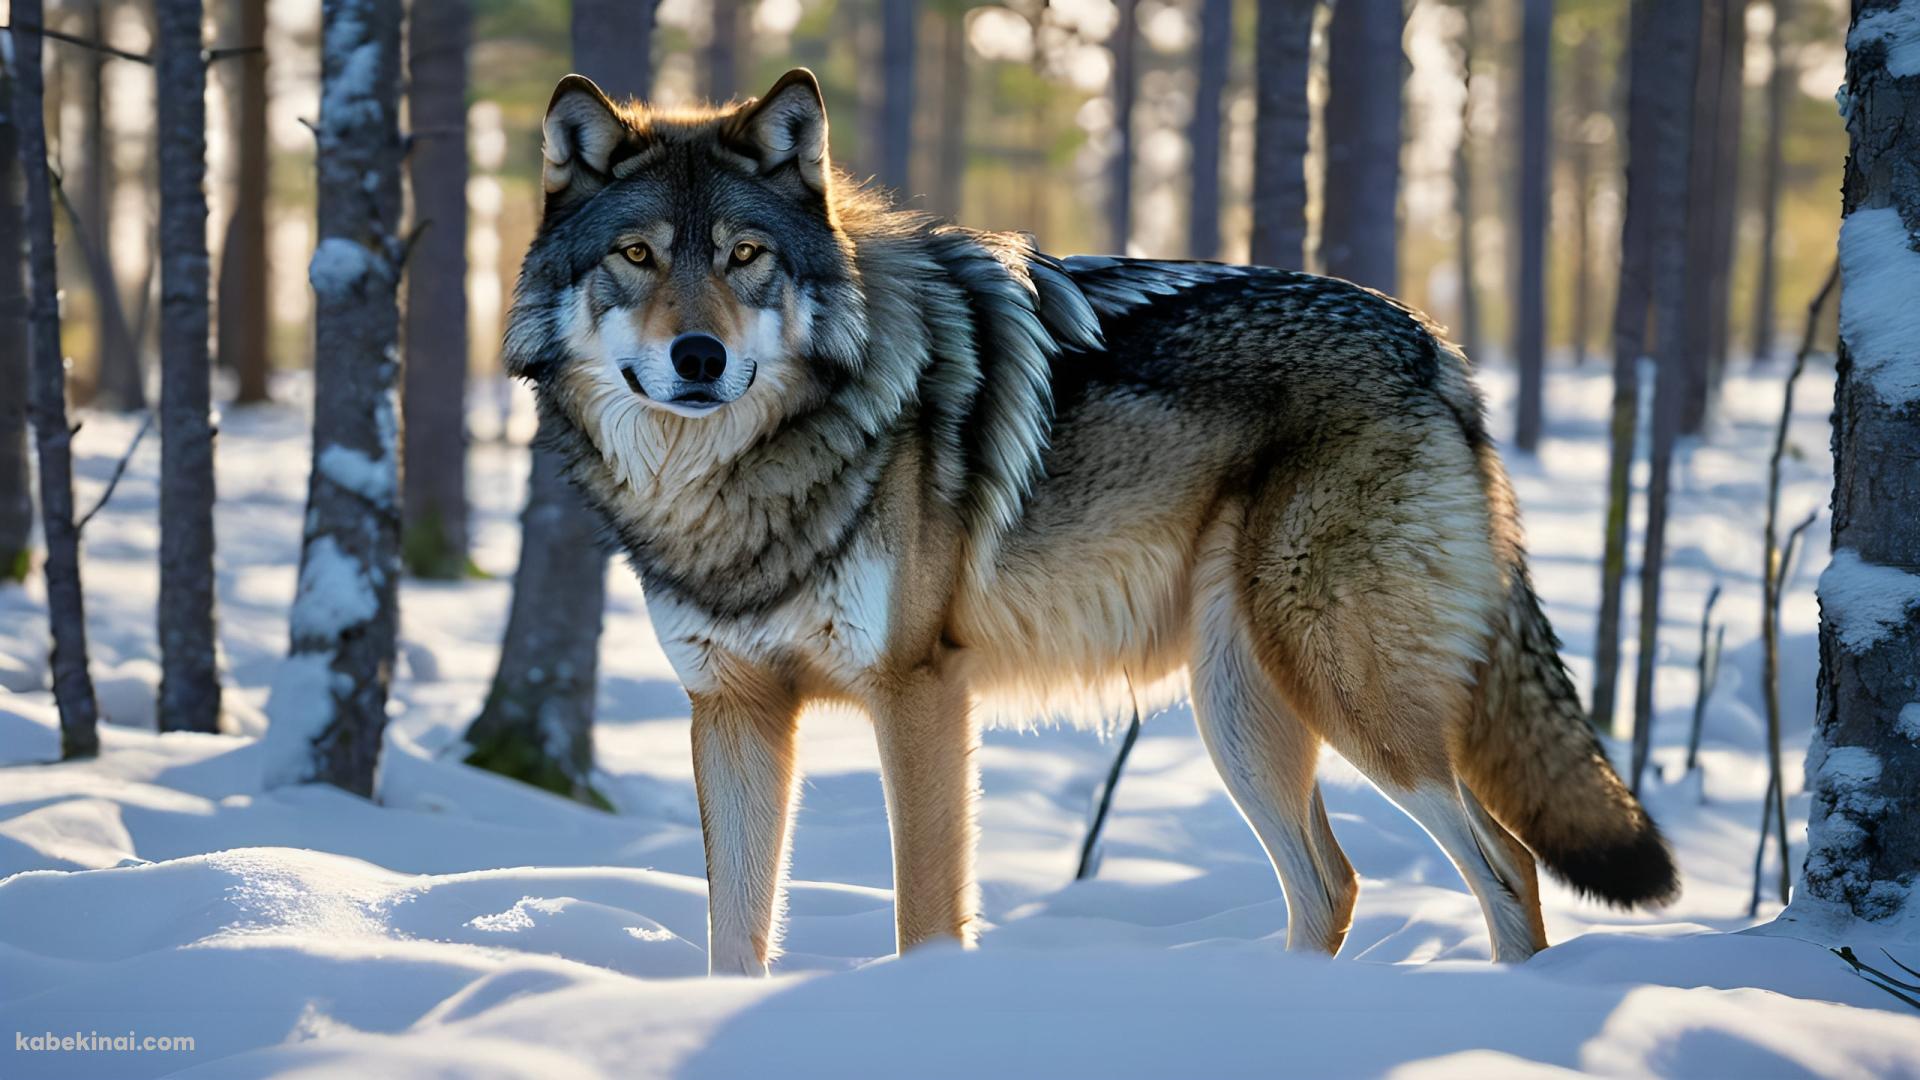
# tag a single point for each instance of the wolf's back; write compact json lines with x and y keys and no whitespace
{"x":1530,"y":756}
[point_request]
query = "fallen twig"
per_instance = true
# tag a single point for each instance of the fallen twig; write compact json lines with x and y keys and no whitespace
{"x":1877,"y":977}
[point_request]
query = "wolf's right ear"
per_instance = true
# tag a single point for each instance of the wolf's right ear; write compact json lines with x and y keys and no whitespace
{"x":788,"y":125}
{"x":580,"y":137}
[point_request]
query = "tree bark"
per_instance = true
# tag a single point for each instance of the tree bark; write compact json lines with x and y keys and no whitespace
{"x":1726,"y":176}
{"x":899,"y":47}
{"x":245,"y":274}
{"x":1465,"y":257}
{"x":949,"y":182}
{"x":1703,"y":196}
{"x":723,"y":51}
{"x":1530,"y":344}
{"x":16,"y":480}
{"x":189,"y":676}
{"x":1779,"y":99}
{"x":1360,"y":212}
{"x":1214,"y":56}
{"x":1284,"y":53}
{"x":1120,"y":167}
{"x":434,"y":401}
{"x":118,"y":382}
{"x":328,"y":705}
{"x":1863,"y":831}
{"x":47,"y":405}
{"x":1586,"y":75}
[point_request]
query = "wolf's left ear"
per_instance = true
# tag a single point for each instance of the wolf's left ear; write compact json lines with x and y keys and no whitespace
{"x":582,"y":133}
{"x":788,"y":125}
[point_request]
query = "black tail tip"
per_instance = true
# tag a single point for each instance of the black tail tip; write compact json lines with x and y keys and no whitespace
{"x":1636,"y":872}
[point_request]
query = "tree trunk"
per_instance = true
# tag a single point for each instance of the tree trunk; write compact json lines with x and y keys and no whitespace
{"x":1284,"y":52}
{"x":434,"y":402}
{"x":1365,"y":70}
{"x":329,"y":701}
{"x":1203,"y":133}
{"x":1678,"y":50}
{"x":1465,"y":258}
{"x":1726,"y":183}
{"x":189,"y":677}
{"x":1125,"y":86}
{"x":16,"y":480}
{"x":723,"y":51}
{"x":1701,"y":199}
{"x":47,"y":405}
{"x":1780,"y":90}
{"x":1530,"y":344}
{"x":245,"y":274}
{"x":949,"y":182}
{"x":1863,"y":832}
{"x":1586,"y":76}
{"x":537,"y":724}
{"x":118,"y":382}
{"x":900,"y":30}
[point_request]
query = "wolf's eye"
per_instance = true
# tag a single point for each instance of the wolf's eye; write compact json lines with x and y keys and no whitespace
{"x":638,"y":254}
{"x":744,"y":253}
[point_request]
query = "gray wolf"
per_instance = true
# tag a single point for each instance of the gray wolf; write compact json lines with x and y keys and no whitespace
{"x":857,"y":455}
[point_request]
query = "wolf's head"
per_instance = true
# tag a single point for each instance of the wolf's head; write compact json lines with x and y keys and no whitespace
{"x":690,"y":268}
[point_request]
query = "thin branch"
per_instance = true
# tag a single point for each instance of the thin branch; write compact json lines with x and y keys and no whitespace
{"x":119,"y":470}
{"x":1708,"y":670}
{"x":84,"y":43}
{"x":228,"y":52}
{"x":1088,"y":846}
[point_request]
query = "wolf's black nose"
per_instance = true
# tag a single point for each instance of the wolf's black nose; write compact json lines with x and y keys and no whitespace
{"x":698,"y":357}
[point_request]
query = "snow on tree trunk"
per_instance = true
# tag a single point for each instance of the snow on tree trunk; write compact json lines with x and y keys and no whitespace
{"x":16,"y":482}
{"x":899,"y":38}
{"x":1283,"y":55}
{"x":1536,"y":136}
{"x":328,"y":706}
{"x":1215,"y":55}
{"x":1125,"y":87}
{"x":47,"y":404}
{"x":189,"y":678}
{"x":1863,"y":832}
{"x":1365,"y":72}
{"x":244,"y":269}
{"x":434,"y":540}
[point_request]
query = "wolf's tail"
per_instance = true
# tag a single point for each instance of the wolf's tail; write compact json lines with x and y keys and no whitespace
{"x":1529,"y":755}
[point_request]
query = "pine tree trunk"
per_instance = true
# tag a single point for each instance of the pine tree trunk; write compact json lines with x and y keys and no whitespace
{"x":1863,"y":832}
{"x":118,"y":382}
{"x":1726,"y":181}
{"x":723,"y":51}
{"x":328,"y":707}
{"x":1678,"y":52}
{"x":1465,"y":258}
{"x":1780,"y":92}
{"x":1283,"y":55}
{"x":949,"y":181}
{"x":899,"y":47}
{"x":1365,"y":72}
{"x":1120,"y":166}
{"x":1701,"y":199}
{"x":1530,"y":345}
{"x":189,"y":678}
{"x":245,"y":274}
{"x":434,"y":536}
{"x":16,"y":481}
{"x":537,"y":724}
{"x":47,"y":405}
{"x":1203,"y":132}
{"x":1580,"y":153}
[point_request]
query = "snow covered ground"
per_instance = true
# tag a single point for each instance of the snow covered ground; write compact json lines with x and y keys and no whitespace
{"x":468,"y":926}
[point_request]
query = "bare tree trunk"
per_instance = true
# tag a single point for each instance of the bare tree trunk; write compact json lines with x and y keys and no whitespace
{"x":1530,"y":345}
{"x":1203,"y":132}
{"x":900,"y":30}
{"x":723,"y":51}
{"x":1863,"y":833}
{"x":16,"y":481}
{"x":1703,"y":196}
{"x":245,"y":274}
{"x":118,"y":384}
{"x":949,"y":181}
{"x":1365,"y":72}
{"x":47,"y":406}
{"x":1780,"y":91}
{"x":537,"y":724}
{"x":1726,"y":174}
{"x":434,"y":401}
{"x":328,"y":706}
{"x":1680,"y":30}
{"x":1125,"y":87}
{"x":189,"y":677}
{"x":1586,"y":75}
{"x":1465,"y":258}
{"x":1284,"y":52}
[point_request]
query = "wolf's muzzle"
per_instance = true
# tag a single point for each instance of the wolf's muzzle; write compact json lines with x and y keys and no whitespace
{"x":696,"y":376}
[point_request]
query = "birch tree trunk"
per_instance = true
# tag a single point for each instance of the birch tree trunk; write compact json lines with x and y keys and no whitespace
{"x":1360,"y":213}
{"x":16,"y":480}
{"x":1530,"y":344}
{"x":47,"y":405}
{"x":245,"y":275}
{"x":1780,"y":90}
{"x":1283,"y":54}
{"x":1120,"y":167}
{"x":328,"y":706}
{"x":899,"y":47}
{"x":434,"y":402}
{"x":1863,"y":833}
{"x":189,"y":677}
{"x":537,"y":724}
{"x":1211,"y":61}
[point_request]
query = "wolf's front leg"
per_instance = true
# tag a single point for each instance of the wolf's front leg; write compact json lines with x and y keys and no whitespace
{"x":743,"y":768}
{"x":927,"y":742}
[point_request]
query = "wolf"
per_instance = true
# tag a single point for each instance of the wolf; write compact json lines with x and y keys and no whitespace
{"x":857,"y":455}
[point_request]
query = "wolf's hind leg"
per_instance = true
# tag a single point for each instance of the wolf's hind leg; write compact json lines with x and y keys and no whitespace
{"x":924,"y":725}
{"x":1266,"y":756}
{"x":743,"y":768}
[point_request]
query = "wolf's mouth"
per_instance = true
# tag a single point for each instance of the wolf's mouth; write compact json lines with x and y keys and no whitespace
{"x":688,"y":397}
